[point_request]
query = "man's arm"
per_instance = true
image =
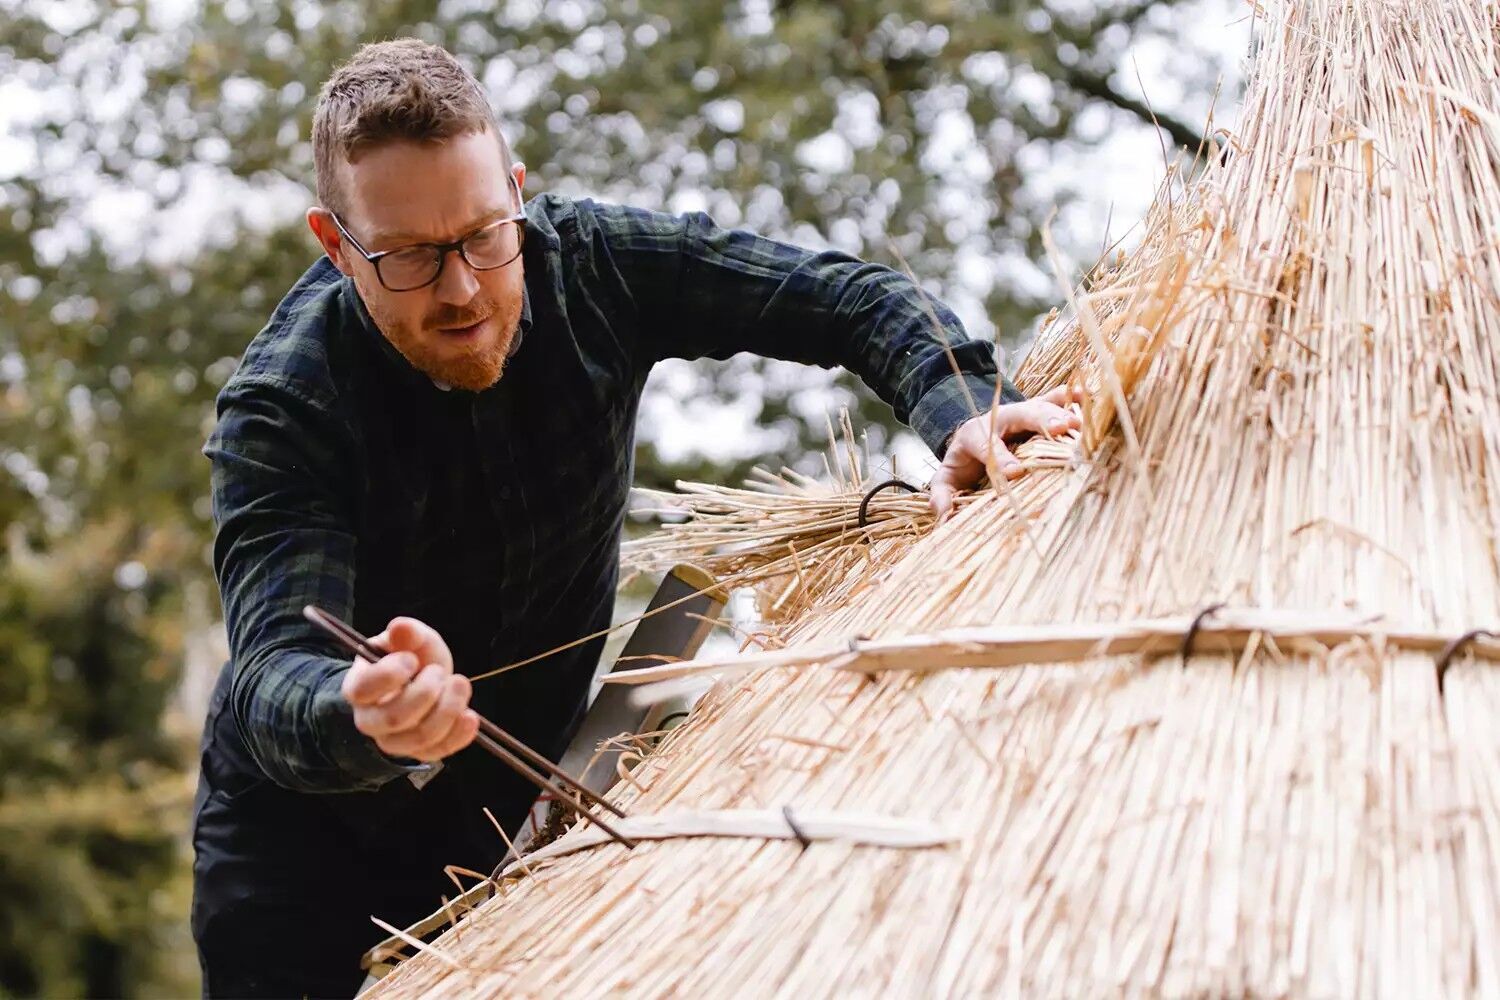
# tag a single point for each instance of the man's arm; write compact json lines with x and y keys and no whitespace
{"x":703,"y":291}
{"x":281,"y":480}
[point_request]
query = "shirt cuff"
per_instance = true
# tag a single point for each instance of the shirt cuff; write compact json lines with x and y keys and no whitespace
{"x":954,"y":400}
{"x":354,"y":754}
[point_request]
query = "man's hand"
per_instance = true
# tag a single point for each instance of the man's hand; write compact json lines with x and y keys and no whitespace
{"x":981,"y":440}
{"x":410,"y":702}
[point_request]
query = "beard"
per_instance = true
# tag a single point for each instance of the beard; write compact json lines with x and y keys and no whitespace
{"x":474,"y":367}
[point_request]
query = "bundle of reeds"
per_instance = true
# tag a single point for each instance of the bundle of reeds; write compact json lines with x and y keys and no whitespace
{"x":1295,"y":412}
{"x":803,"y":544}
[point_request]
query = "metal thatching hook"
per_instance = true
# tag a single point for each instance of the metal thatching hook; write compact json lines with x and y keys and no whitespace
{"x":1445,"y":658}
{"x":797,"y":831}
{"x":864,"y":505}
{"x":1186,"y":650}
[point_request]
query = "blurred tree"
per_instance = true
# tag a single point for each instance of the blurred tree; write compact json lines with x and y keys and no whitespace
{"x":909,"y":131}
{"x":90,"y":843}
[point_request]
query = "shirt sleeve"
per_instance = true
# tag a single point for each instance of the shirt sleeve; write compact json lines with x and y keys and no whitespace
{"x":284,"y":540}
{"x":704,"y":291}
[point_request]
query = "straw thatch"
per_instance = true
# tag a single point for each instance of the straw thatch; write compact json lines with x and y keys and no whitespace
{"x":1296,"y":413}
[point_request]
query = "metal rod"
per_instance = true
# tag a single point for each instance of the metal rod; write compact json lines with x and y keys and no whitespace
{"x":490,"y":736}
{"x":366,"y":648}
{"x":537,"y":759}
{"x":526,"y":771}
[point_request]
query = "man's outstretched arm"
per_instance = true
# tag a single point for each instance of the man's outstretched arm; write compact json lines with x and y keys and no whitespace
{"x":704,"y":291}
{"x":281,"y":482}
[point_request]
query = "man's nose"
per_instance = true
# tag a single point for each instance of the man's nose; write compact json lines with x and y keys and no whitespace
{"x":457,"y":284}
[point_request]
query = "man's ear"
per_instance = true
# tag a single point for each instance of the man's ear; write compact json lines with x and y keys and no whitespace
{"x":519,"y":170}
{"x":320,"y":221}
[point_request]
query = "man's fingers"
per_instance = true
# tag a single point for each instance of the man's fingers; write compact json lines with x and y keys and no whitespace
{"x":1050,"y":413}
{"x":989,"y":450}
{"x":1009,"y":465}
{"x":459,"y":734}
{"x":1062,"y":395}
{"x":417,"y":637}
{"x":454,"y":700}
{"x":965,"y":461}
{"x":428,"y":738}
{"x":940,"y":496}
{"x":1035,"y":416}
{"x":1053,"y":419}
{"x":410,"y":701}
{"x":369,"y":683}
{"x":407,"y":709}
{"x":979,"y":444}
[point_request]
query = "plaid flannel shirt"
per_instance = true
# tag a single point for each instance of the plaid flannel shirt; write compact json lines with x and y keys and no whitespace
{"x":342,"y":476}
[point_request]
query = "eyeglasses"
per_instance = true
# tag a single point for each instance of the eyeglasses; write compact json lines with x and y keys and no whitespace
{"x":408,"y":268}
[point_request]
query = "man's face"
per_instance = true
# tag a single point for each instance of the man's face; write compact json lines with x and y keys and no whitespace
{"x":460,"y":328}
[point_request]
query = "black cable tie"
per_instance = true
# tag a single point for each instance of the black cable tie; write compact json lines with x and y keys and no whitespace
{"x":1445,"y":658}
{"x":1186,"y":650}
{"x":797,"y":831}
{"x":864,"y":505}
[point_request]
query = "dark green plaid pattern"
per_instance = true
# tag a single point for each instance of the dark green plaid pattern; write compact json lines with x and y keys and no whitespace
{"x":343,"y":477}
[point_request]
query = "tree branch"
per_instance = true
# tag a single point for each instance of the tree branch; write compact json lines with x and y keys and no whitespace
{"x":1096,"y":86}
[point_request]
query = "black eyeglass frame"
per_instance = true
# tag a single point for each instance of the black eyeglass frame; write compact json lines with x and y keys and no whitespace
{"x":443,"y":249}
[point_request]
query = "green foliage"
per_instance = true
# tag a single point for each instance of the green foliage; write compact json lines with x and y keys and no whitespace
{"x":817,"y":121}
{"x":93,"y":788}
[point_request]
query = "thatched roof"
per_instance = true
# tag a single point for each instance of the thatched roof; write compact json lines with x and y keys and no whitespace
{"x":1296,"y":414}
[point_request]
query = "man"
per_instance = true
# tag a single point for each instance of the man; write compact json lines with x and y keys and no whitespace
{"x":432,"y":439}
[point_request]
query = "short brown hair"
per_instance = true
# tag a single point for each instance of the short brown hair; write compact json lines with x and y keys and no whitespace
{"x":404,"y":89}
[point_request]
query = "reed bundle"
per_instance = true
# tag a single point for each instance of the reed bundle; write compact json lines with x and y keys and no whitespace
{"x":1295,"y":405}
{"x":799,"y":542}
{"x":793,"y":541}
